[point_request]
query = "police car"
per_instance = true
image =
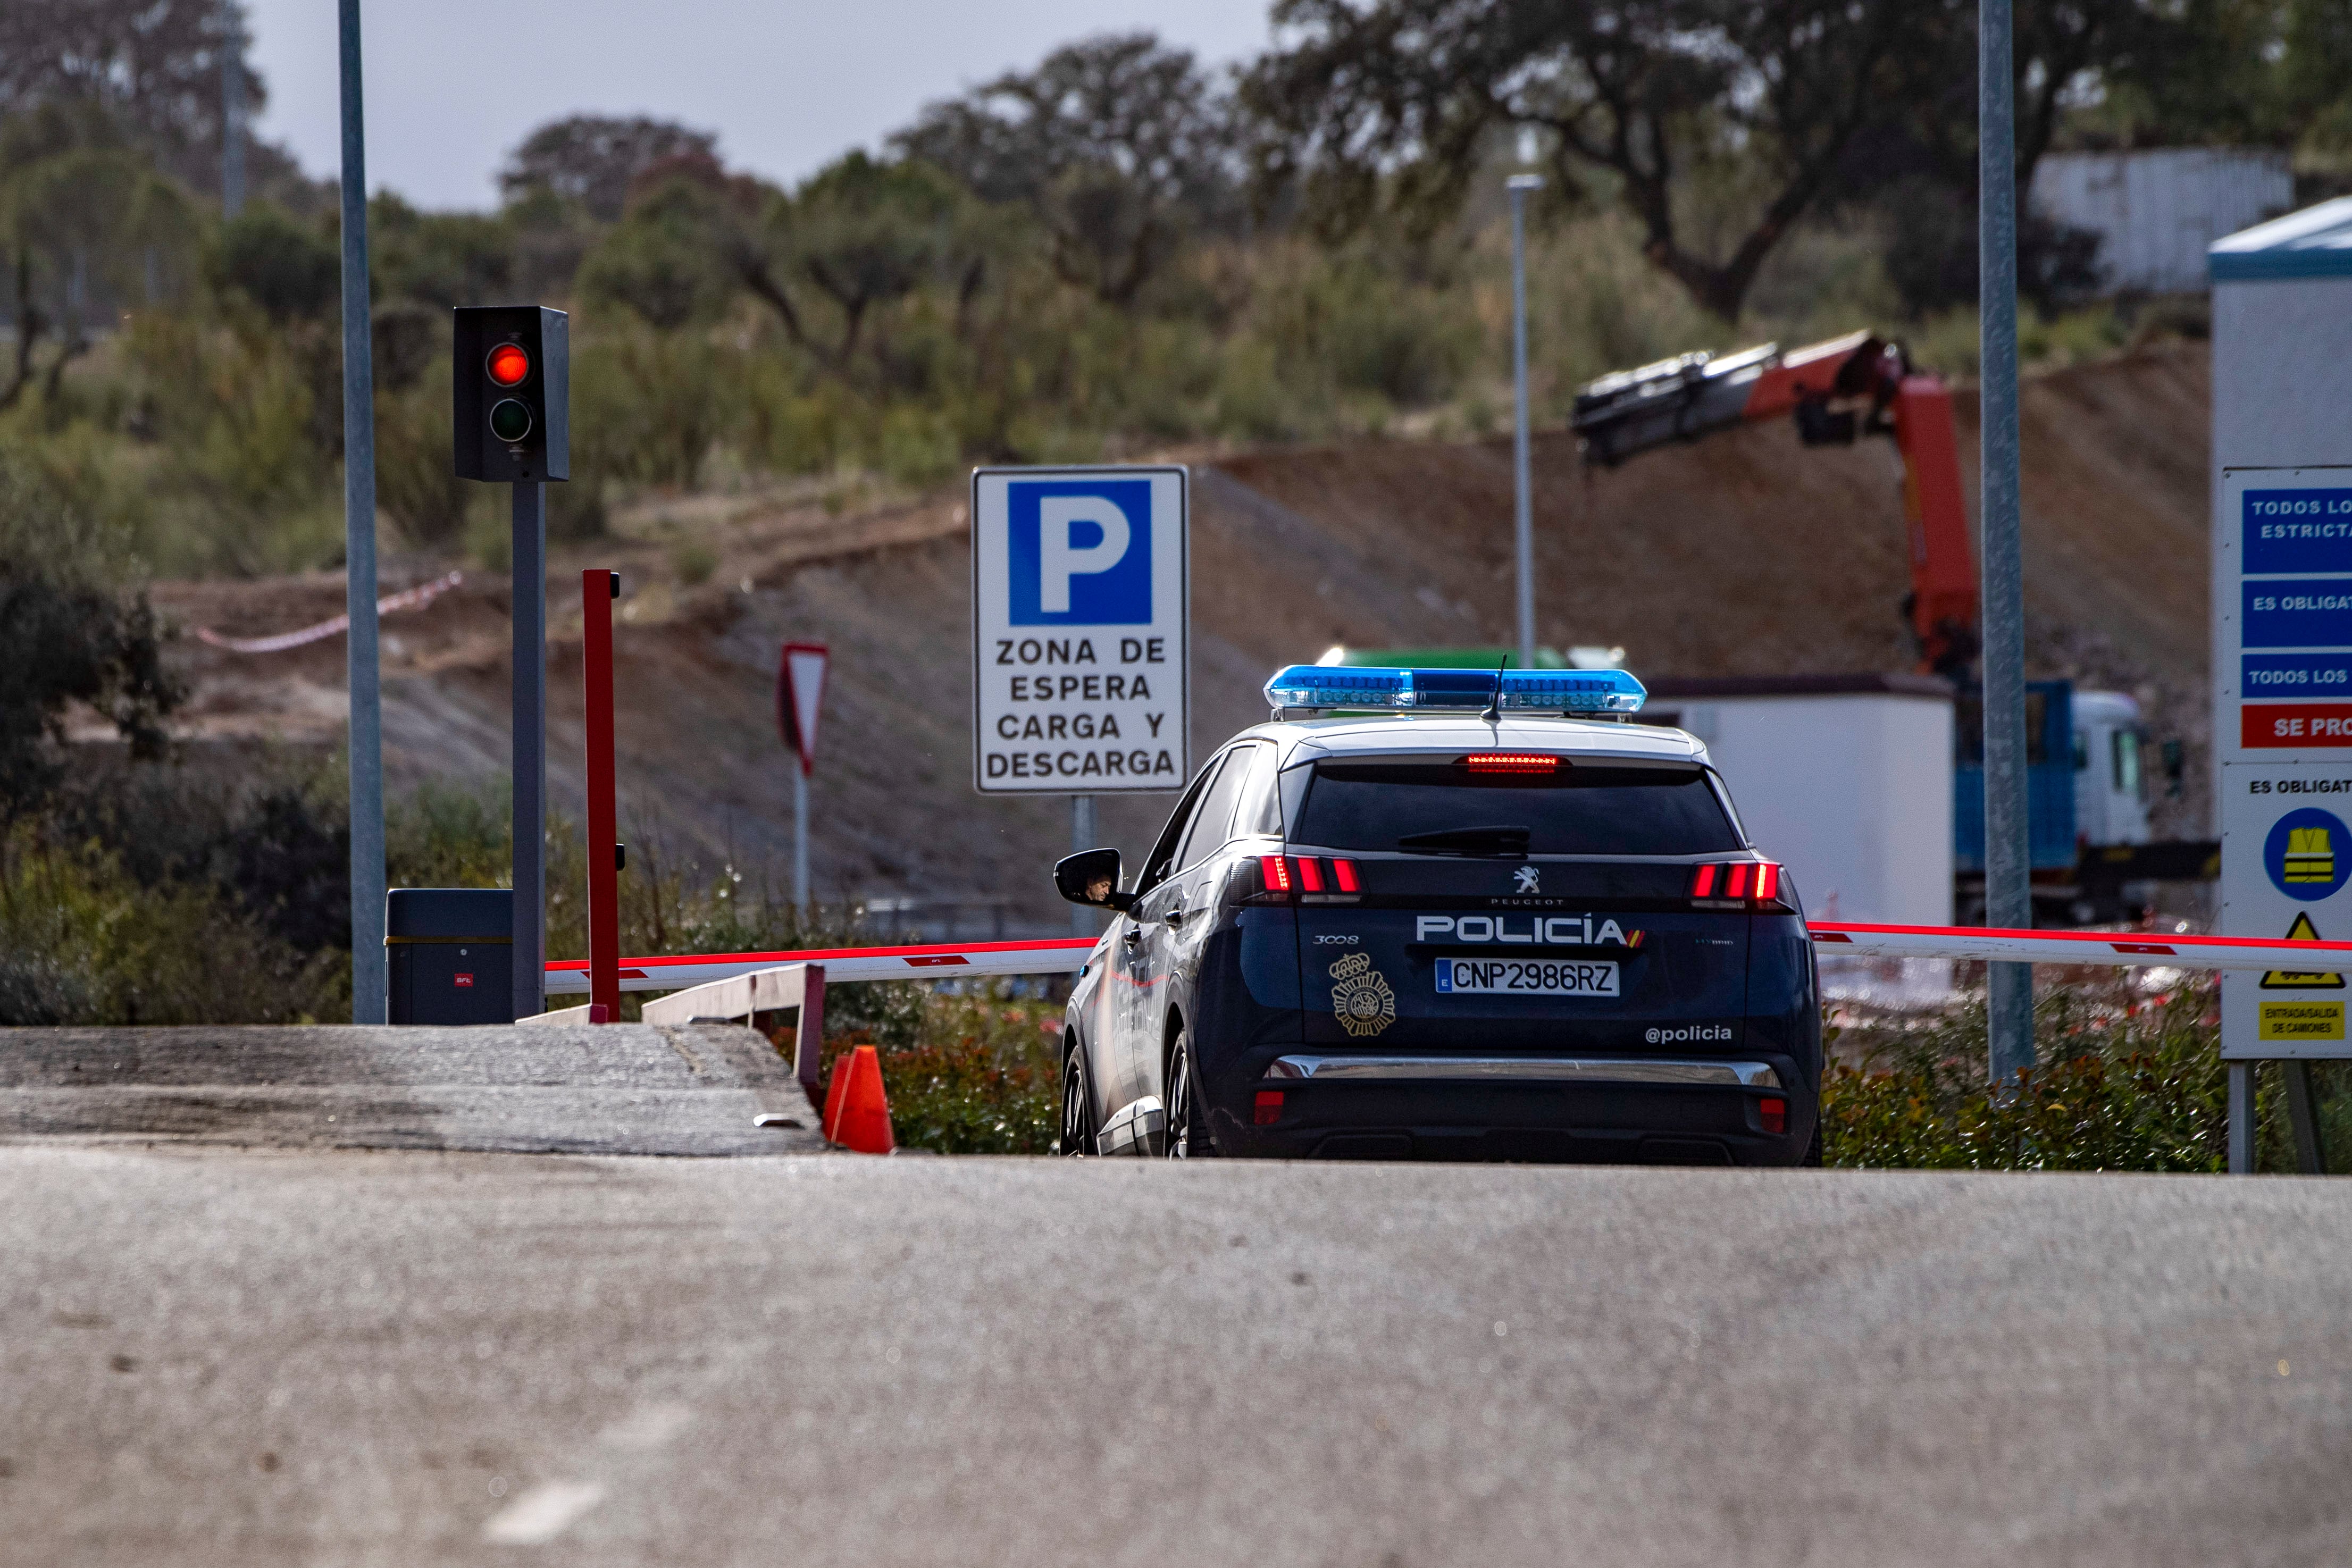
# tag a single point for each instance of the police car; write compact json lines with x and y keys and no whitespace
{"x":1449,"y":915}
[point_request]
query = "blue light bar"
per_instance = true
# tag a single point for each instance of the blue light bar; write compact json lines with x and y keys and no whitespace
{"x":1329,"y":686}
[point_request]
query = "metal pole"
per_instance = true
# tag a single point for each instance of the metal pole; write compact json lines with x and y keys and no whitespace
{"x":598,"y":587}
{"x":233,"y":107}
{"x":368,"y":984}
{"x":1523,"y":519}
{"x":1084,"y":922}
{"x":2242,"y":1118}
{"x":800,"y":836}
{"x":529,"y":749}
{"x":2008,"y":891}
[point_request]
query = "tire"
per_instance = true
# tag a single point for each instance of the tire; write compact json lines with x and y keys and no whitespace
{"x":1187,"y":1119}
{"x":1813,"y":1160}
{"x":1078,"y":1106}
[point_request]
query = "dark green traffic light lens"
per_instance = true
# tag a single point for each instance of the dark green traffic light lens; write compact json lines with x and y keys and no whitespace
{"x":510,"y":421}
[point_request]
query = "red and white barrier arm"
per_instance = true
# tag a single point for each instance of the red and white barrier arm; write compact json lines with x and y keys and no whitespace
{"x":1064,"y":956}
{"x":2141,"y":949}
{"x":922,"y":961}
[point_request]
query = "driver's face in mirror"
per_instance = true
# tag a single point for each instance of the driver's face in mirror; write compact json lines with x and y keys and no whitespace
{"x":1099,"y":889}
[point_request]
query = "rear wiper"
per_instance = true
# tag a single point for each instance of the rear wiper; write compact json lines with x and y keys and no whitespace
{"x":1490,"y":840}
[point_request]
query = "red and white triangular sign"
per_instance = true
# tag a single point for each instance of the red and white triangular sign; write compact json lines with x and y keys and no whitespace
{"x":799,"y":698}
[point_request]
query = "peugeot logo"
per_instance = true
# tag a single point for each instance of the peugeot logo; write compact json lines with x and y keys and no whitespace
{"x":1527,"y":878}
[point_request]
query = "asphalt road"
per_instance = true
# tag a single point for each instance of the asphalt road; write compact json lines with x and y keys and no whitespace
{"x":330,"y":1357}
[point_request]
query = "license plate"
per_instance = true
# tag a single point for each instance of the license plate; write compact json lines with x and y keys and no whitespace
{"x":1527,"y":977}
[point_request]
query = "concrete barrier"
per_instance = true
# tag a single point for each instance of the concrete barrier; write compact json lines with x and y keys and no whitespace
{"x":623,"y":1089}
{"x":797,"y":989}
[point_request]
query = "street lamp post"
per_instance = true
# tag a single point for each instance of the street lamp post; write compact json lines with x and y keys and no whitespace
{"x":1523,"y":519}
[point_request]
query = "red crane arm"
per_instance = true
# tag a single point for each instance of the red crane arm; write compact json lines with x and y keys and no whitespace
{"x":1848,"y":386}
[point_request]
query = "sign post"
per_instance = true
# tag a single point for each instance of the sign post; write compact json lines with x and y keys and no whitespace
{"x":2282,"y":729}
{"x":800,"y":703}
{"x":1081,"y":606}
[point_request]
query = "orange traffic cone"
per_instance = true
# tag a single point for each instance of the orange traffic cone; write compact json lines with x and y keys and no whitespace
{"x":856,"y":1112}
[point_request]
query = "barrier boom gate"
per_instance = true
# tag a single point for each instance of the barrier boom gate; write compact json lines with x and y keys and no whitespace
{"x":1062,"y":956}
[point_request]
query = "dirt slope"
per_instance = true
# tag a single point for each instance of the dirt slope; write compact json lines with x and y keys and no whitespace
{"x":1745,"y":555}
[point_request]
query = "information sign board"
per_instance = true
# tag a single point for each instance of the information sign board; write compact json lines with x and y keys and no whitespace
{"x":2286,"y":863}
{"x":1081,"y":607}
{"x":2283,"y":730}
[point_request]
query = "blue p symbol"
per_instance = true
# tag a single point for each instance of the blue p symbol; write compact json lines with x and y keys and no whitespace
{"x":1081,"y":552}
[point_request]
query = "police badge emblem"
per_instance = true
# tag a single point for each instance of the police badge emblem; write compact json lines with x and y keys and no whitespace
{"x":1362,"y":1000}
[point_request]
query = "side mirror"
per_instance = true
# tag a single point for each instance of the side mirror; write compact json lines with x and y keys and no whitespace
{"x":1091,"y":878}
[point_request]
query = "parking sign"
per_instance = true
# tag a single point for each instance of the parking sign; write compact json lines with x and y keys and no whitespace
{"x":1081,"y":599}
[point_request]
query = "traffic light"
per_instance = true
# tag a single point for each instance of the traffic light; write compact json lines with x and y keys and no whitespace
{"x":513,"y":393}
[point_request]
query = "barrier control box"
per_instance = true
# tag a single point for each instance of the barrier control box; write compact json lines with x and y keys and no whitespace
{"x":451,"y":952}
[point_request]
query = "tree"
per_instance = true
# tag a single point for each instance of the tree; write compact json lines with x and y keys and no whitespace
{"x":867,"y":232}
{"x":1637,"y":92}
{"x":153,"y":64}
{"x":594,"y":159}
{"x":1118,"y":145}
{"x":85,"y":221}
{"x":672,"y":258}
{"x":66,"y":638}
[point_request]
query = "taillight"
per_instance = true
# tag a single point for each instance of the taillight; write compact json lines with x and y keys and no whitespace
{"x":1283,"y":875}
{"x":1268,"y":1109}
{"x":1511,"y":762}
{"x":1772,"y":1111}
{"x":1737,"y":880}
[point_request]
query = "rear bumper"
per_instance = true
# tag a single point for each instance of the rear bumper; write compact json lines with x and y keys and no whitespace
{"x":1577,"y":1109}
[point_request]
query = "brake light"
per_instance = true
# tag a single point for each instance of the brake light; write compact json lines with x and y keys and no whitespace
{"x":1268,"y":1109}
{"x":1311,"y":874}
{"x":1511,"y":762}
{"x":1740,"y":880}
{"x":1343,"y":874}
{"x":1772,"y":1111}
{"x":1276,"y":870}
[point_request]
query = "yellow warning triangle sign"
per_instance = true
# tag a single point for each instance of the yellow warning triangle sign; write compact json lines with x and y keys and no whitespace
{"x":2303,"y":930}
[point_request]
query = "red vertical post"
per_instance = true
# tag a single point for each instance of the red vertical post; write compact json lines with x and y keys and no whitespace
{"x":598,"y":589}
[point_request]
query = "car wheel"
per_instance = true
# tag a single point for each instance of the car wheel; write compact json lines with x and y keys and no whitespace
{"x":1187,"y":1119}
{"x":1077,"y":1105}
{"x":1813,"y":1149}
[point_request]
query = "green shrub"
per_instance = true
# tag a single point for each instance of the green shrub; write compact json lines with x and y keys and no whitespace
{"x":981,"y":1075}
{"x":2125,"y":1083}
{"x":83,"y":942}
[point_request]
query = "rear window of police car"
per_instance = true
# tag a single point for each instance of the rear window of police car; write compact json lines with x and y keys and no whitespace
{"x":1578,"y":811}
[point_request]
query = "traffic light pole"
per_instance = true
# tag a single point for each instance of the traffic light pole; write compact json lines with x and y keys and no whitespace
{"x":529,"y":749}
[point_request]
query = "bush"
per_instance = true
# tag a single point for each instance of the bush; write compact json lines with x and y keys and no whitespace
{"x":982,"y":1075}
{"x":2125,"y":1083}
{"x":83,"y":942}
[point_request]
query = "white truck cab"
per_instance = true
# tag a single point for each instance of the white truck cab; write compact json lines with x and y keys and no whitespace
{"x":2110,"y":769}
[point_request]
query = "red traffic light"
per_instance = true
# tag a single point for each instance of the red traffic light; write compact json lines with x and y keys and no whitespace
{"x":509,"y":364}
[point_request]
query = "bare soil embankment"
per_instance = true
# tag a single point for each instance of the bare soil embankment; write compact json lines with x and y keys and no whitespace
{"x":1747,"y":554}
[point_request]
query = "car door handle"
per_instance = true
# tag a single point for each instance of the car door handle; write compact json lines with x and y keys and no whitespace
{"x":1132,"y":935}
{"x":1175,"y":917}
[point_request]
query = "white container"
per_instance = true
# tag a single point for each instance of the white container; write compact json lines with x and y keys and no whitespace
{"x":2155,"y":212}
{"x":1845,"y":779}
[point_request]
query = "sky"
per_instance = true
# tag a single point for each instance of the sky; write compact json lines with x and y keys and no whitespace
{"x":452,"y":86}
